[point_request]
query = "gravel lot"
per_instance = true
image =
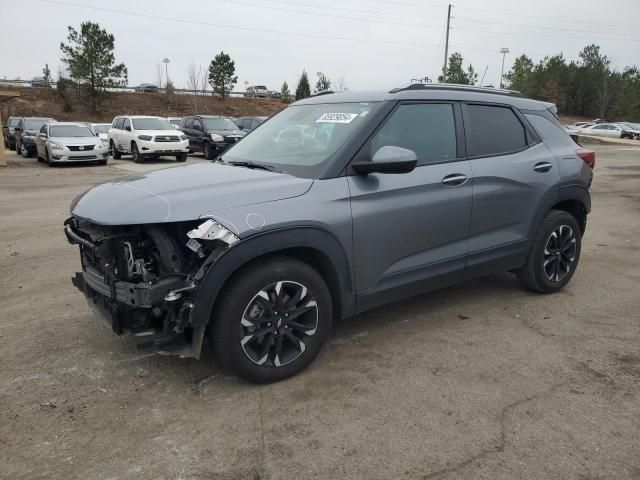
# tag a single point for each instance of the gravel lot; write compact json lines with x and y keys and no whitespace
{"x":482,"y":380}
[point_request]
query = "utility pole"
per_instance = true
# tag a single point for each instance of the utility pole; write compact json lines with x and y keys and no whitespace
{"x":504,"y":52}
{"x":446,"y":47}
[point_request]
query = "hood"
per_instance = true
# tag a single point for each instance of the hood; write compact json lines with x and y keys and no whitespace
{"x":76,"y":140}
{"x":153,"y":133}
{"x":228,"y":133}
{"x":183,"y":193}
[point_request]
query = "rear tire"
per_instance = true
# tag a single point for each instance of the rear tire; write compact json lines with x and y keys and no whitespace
{"x":553,"y":255}
{"x":257,"y":342}
{"x":181,"y":157}
{"x":114,"y":151}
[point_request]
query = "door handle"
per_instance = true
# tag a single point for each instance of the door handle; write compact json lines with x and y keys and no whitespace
{"x":542,"y":167}
{"x":454,"y":180}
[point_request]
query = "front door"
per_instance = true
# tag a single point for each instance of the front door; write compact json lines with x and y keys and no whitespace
{"x":410,"y":230}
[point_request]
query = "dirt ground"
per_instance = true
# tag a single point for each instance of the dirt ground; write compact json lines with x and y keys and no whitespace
{"x":482,"y":380}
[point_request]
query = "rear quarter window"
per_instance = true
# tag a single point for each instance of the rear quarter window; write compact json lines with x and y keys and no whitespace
{"x":493,"y":130}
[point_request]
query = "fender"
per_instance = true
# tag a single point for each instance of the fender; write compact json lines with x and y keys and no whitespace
{"x":569,"y":191}
{"x":273,"y":241}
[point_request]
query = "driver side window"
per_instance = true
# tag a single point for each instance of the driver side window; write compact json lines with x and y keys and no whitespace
{"x":127,"y":123}
{"x":426,"y":128}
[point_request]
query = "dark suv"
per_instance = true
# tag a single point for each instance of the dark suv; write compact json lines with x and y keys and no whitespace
{"x":8,"y":133}
{"x":210,"y":134}
{"x":26,"y":131}
{"x":338,"y":204}
{"x":246,"y":124}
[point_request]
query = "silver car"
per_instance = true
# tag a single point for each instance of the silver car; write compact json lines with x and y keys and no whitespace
{"x":64,"y":142}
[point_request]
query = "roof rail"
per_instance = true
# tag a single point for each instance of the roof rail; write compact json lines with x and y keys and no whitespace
{"x":457,"y":87}
{"x":325,"y":92}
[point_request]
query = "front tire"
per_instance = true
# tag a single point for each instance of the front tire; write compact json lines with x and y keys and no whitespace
{"x":553,"y":255}
{"x":50,"y":162}
{"x":18,"y":149}
{"x":181,"y":157}
{"x":272,"y":321}
{"x":207,"y":151}
{"x":135,"y":153}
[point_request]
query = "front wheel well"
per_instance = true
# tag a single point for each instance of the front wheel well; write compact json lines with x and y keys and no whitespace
{"x":312,"y":257}
{"x":576,"y":209}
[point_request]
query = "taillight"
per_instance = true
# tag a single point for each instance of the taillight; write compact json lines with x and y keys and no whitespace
{"x":587,"y":156}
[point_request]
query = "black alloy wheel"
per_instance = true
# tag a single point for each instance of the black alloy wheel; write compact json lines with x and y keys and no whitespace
{"x":278,"y":323}
{"x":273,"y":317}
{"x":554,"y":253}
{"x":559,"y":253}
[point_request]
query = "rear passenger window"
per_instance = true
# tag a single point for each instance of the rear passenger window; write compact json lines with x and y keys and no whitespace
{"x":428,"y":129}
{"x":494,"y":130}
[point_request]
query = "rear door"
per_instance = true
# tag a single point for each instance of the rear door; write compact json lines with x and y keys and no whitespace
{"x":410,"y":229}
{"x":512,"y":171}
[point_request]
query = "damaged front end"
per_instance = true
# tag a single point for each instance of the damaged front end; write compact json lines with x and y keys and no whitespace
{"x":144,"y":279}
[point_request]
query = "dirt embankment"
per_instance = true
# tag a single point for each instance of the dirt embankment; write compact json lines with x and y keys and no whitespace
{"x":47,"y":103}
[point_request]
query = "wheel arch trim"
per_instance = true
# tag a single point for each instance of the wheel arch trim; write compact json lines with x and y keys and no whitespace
{"x":272,"y":242}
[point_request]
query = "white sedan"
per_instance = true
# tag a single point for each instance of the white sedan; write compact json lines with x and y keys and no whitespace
{"x":611,"y":130}
{"x":63,"y":142}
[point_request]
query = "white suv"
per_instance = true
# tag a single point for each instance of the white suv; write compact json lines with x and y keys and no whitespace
{"x":143,"y":136}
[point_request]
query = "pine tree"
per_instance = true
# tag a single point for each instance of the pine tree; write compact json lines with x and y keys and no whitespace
{"x":222,"y":76}
{"x":89,"y":57}
{"x":303,"y":89}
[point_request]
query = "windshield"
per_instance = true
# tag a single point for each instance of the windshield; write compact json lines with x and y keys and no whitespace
{"x":219,"y":124}
{"x":103,"y":128}
{"x":151,"y":124}
{"x":69,"y":131}
{"x":34,"y":123}
{"x":300,"y":139}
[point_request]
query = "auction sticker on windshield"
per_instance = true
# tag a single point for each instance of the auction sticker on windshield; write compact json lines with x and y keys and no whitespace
{"x":337,"y":118}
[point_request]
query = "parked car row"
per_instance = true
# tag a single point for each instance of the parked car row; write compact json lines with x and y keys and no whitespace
{"x":612,"y":130}
{"x":140,"y":136}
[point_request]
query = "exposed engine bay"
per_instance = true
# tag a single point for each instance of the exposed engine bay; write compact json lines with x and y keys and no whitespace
{"x":144,"y":278}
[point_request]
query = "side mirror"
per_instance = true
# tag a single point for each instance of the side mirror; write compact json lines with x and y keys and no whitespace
{"x":127,"y":128}
{"x":240,"y":127}
{"x":388,"y":159}
{"x":17,"y":129}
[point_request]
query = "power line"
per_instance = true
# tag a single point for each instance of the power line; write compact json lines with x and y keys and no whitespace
{"x":533,"y":26}
{"x":542,"y":35}
{"x":235,"y":27}
{"x":356,"y":10}
{"x":547,"y":19}
{"x":315,"y":14}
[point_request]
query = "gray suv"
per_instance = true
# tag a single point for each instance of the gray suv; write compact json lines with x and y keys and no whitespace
{"x":336,"y":205}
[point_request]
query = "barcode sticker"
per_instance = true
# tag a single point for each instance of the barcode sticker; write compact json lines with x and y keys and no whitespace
{"x":337,"y":118}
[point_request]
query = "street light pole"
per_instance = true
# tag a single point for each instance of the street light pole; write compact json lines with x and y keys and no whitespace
{"x":166,"y":70}
{"x":504,"y":52}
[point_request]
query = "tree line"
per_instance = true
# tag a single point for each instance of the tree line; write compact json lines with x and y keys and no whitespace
{"x":588,"y":87}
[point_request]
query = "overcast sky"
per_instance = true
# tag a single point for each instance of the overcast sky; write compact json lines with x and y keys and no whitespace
{"x":372,"y":43}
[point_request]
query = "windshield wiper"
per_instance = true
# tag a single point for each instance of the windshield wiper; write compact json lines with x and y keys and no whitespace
{"x":250,"y":164}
